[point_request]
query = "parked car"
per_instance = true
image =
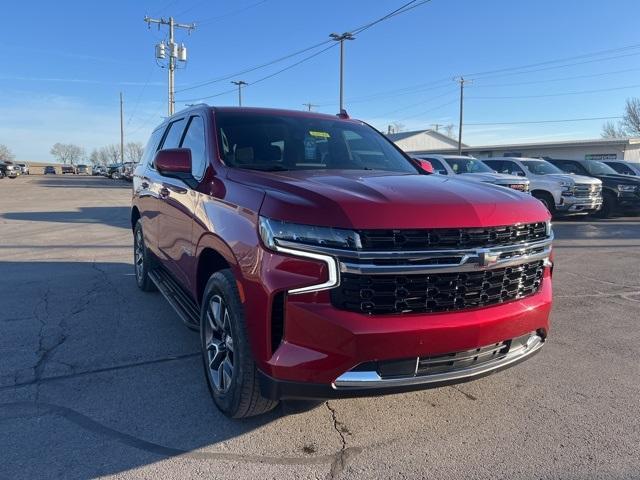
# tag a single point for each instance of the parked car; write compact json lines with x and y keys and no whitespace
{"x":470,"y":168}
{"x":620,"y":193}
{"x":560,"y":192}
{"x":127,"y":170}
{"x":98,"y":170}
{"x":8,"y":169}
{"x":24,"y":168}
{"x":82,"y":170}
{"x":49,"y":170}
{"x":318,"y":261}
{"x":64,"y":169}
{"x":623,"y":168}
{"x":114,"y":171}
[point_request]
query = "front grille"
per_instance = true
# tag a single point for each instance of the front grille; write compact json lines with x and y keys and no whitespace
{"x":438,"y":292}
{"x":587,"y":190}
{"x":452,"y":238}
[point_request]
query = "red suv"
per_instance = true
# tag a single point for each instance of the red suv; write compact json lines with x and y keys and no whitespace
{"x":318,"y":260}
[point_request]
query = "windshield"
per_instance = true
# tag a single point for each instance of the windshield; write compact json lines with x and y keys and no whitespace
{"x":540,"y":167}
{"x":467,"y":165}
{"x":599,"y":168}
{"x":286,"y":142}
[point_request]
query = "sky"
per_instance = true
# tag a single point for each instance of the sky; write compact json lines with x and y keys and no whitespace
{"x":65,"y":63}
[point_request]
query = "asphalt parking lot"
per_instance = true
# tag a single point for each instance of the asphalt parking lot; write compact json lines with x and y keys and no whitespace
{"x":100,"y":379}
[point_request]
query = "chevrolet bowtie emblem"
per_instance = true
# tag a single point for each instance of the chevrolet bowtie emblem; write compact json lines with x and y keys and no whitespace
{"x":487,"y":258}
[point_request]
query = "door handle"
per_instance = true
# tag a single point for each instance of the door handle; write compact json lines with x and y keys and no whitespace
{"x":164,"y":192}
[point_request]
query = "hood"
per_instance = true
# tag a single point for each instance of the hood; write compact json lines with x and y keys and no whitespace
{"x":374,"y":199}
{"x":496,"y":178}
{"x":620,"y":179}
{"x":572,"y":179}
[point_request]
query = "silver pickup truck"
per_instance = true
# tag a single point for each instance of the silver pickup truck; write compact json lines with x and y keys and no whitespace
{"x":472,"y":169}
{"x":562,"y":193}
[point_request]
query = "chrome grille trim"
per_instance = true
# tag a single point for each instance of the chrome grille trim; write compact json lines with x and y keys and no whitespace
{"x":519,"y":349}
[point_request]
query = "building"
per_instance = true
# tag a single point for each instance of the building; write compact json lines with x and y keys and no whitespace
{"x":598,"y":149}
{"x":421,"y":140}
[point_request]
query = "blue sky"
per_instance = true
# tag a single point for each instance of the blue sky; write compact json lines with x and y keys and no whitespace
{"x":65,"y":62}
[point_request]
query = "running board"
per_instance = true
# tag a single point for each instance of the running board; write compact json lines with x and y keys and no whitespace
{"x":181,"y":302}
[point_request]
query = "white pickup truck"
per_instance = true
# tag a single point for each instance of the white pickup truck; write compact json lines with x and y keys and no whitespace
{"x":562,"y":193}
{"x":470,"y":168}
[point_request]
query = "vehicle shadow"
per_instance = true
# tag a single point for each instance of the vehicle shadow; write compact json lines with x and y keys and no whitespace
{"x":107,"y":372}
{"x":113,"y":216}
{"x":588,"y":228}
{"x":82,"y":181}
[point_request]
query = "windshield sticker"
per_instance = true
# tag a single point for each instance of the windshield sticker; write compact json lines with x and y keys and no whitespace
{"x":314,"y":133}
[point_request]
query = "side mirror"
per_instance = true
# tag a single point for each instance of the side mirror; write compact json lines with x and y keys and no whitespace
{"x":424,"y":165}
{"x":175,"y":163}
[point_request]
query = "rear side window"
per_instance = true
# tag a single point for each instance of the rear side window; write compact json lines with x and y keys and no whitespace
{"x":174,"y":135}
{"x":572,"y":167}
{"x":152,"y":147}
{"x":194,"y":139}
{"x":497,"y":165}
{"x":621,"y":168}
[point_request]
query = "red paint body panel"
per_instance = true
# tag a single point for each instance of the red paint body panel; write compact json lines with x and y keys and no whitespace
{"x":320,"y":341}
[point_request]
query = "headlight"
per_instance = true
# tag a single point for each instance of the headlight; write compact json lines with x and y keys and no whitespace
{"x":273,"y":230}
{"x":627,"y":188}
{"x":567,"y":188}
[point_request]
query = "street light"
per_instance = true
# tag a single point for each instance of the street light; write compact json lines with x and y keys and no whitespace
{"x":239,"y":83}
{"x":341,"y":39}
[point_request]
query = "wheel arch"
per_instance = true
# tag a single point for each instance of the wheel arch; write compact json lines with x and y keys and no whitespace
{"x":135,"y":216}
{"x":544,"y":193}
{"x":213,"y":255}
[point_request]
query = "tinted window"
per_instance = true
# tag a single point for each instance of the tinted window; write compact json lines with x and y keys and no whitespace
{"x":288,"y":142}
{"x":512,"y":168}
{"x":152,"y":146}
{"x":540,"y":167}
{"x":437,"y":166}
{"x":467,"y":165}
{"x":494,"y":164}
{"x":599,"y":168}
{"x":621,"y":168}
{"x":571,"y":167}
{"x":172,"y":140}
{"x":194,"y":139}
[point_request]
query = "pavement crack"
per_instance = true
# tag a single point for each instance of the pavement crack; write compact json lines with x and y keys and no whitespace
{"x":345,"y":453}
{"x":468,"y":395}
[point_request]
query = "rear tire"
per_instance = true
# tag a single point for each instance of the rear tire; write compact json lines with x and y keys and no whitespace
{"x":142,"y":260}
{"x":608,"y":205}
{"x":231,"y":372}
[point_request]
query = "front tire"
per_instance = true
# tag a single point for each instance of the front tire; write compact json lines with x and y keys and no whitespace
{"x":231,"y":372}
{"x":608,"y":205}
{"x":142,"y":260}
{"x":547,"y":201}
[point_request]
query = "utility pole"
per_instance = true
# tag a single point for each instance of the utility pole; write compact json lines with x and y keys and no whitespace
{"x":462,"y":82}
{"x":341,"y":39}
{"x":436,"y":126}
{"x":121,"y":129}
{"x":239,"y":83}
{"x":310,"y":106}
{"x":176,"y":52}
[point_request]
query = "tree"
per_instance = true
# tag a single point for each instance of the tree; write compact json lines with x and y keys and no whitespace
{"x":629,"y":126}
{"x":67,"y":152}
{"x":111,"y":153}
{"x":133,"y":151}
{"x":6,"y":154}
{"x":449,"y":130}
{"x":610,"y":130}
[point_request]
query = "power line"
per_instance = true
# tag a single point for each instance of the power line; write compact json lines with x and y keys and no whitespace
{"x":455,"y":100}
{"x":404,"y":8}
{"x":564,"y":120}
{"x":583,"y":92}
{"x":550,"y":80}
{"x":231,"y":13}
{"x":289,"y":67}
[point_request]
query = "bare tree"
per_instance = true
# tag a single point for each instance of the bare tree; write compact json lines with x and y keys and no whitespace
{"x":67,"y":152}
{"x":449,"y":130}
{"x":6,"y":154}
{"x":133,"y":151}
{"x":629,"y":126}
{"x":111,"y":153}
{"x":631,"y":120}
{"x":610,"y":130}
{"x":397,"y":127}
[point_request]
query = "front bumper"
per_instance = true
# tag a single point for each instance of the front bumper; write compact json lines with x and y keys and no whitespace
{"x":579,"y":204}
{"x":629,"y":201}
